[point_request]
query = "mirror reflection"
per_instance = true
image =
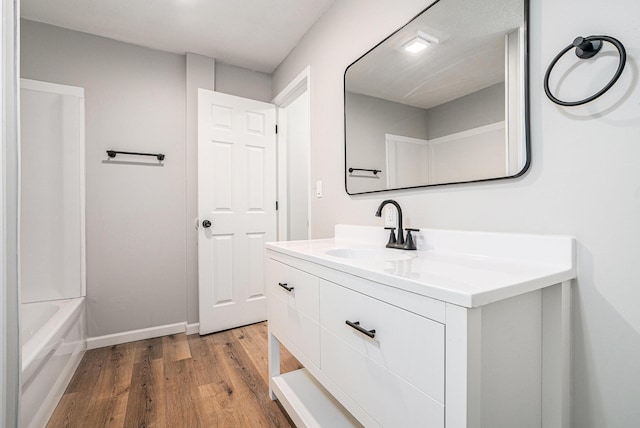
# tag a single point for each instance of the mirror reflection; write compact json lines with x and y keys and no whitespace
{"x":440,"y":101}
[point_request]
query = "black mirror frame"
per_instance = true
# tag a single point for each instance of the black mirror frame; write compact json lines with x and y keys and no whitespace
{"x":527,"y":135}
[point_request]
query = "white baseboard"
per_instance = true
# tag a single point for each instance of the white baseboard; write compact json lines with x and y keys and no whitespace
{"x":133,"y":335}
{"x":192,"y":328}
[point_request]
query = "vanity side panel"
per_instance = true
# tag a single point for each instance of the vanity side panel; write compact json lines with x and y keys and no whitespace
{"x":511,"y":355}
{"x":463,"y":366}
{"x":556,"y":356}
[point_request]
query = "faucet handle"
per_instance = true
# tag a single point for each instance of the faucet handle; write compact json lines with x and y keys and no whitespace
{"x":392,"y":237}
{"x":409,"y":243}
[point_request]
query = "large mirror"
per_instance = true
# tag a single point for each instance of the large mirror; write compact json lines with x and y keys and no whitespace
{"x":442,"y":100}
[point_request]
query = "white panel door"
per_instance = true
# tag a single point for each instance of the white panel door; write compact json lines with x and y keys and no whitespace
{"x":236,"y":206}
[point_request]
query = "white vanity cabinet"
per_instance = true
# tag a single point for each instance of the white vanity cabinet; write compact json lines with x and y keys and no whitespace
{"x":376,"y":353}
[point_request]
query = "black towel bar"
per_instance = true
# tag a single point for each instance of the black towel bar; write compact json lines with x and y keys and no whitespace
{"x":374,"y":171}
{"x":113,"y":153}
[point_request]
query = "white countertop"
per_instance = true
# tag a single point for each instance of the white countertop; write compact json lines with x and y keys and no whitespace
{"x":469,"y":269}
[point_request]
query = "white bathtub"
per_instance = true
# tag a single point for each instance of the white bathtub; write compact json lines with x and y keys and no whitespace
{"x":53,"y":338}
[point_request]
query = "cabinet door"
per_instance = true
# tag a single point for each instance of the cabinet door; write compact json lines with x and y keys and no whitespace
{"x":293,"y":308}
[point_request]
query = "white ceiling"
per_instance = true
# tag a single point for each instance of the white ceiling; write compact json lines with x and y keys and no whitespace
{"x":469,"y":56}
{"x":255,"y":34}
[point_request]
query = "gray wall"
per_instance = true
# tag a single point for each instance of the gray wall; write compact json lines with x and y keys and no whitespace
{"x":201,"y":72}
{"x":140,"y":262}
{"x":369,"y":119}
{"x":471,"y":111}
{"x":242,"y":82}
{"x":583,"y":179}
{"x":135,"y":101}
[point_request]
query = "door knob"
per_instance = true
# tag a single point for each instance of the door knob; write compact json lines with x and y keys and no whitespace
{"x":206,"y":224}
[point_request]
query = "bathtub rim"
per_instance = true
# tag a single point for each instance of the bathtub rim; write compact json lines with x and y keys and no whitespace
{"x":66,"y":313}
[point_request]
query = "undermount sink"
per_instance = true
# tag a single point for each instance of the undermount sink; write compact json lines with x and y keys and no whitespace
{"x":370,"y":254}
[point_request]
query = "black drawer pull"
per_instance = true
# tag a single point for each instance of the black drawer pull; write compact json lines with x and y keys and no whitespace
{"x":284,"y":285}
{"x":356,"y":325}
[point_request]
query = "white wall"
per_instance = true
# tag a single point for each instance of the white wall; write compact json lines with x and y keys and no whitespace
{"x":141,"y":253}
{"x":583,"y":179}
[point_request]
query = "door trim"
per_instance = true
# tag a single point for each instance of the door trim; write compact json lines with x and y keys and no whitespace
{"x":300,"y":85}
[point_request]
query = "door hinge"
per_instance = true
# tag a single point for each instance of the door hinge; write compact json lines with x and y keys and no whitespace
{"x":276,"y":205}
{"x":276,"y":128}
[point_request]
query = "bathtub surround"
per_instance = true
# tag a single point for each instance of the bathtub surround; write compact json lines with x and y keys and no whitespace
{"x":583,"y":179}
{"x":141,"y":271}
{"x":52,"y":244}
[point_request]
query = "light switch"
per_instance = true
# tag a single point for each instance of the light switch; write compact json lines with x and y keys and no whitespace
{"x":319,"y":189}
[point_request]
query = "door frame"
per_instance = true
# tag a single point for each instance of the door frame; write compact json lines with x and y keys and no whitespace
{"x":300,"y":85}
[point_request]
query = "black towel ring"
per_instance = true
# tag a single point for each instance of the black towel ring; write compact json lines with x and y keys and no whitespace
{"x":587,"y":47}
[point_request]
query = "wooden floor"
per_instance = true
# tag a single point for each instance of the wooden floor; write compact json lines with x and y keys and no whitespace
{"x":219,"y":380}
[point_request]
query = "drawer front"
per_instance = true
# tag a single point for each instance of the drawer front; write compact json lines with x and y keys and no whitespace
{"x":405,"y":344}
{"x":301,"y":292}
{"x":294,"y":328}
{"x":293,"y":315}
{"x":389,"y":399}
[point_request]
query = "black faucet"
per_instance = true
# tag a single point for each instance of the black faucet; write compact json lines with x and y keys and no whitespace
{"x":398,"y":243}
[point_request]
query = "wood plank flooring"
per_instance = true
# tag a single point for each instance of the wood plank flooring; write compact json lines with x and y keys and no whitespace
{"x":219,"y":380}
